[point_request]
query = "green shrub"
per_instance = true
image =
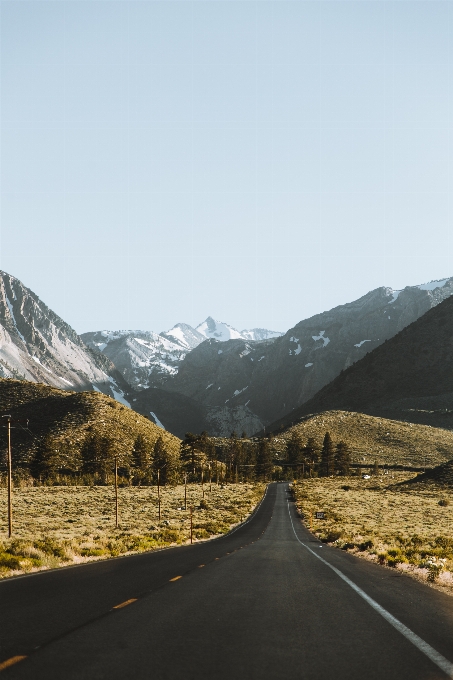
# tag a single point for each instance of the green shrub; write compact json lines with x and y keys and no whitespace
{"x":9,"y":561}
{"x":201,"y":533}
{"x":50,"y":546}
{"x":93,"y":552}
{"x":365,"y":545}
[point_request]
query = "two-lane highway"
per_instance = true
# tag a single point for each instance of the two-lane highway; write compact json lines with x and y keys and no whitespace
{"x":267,"y":601}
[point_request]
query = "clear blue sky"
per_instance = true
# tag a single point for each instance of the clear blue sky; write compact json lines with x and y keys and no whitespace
{"x":255,"y":161}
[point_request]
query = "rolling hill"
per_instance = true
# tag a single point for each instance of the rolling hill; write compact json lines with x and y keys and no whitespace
{"x":70,"y":418}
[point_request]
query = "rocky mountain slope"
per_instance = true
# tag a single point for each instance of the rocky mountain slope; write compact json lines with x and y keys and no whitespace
{"x":271,"y":378}
{"x":147,"y":359}
{"x":37,"y":345}
{"x":409,"y":377}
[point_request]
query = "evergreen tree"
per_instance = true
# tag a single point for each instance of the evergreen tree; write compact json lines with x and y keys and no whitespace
{"x":311,"y":454}
{"x":141,"y":459}
{"x":264,"y":463}
{"x":295,"y":454}
{"x":342,"y":458}
{"x":189,"y":452}
{"x":327,"y":456}
{"x":98,"y":456}
{"x":166,"y":463}
{"x":45,"y":462}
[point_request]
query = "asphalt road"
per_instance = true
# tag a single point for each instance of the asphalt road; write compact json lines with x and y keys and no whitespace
{"x":267,"y":601}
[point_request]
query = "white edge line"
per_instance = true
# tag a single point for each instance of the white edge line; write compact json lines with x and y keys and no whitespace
{"x":437,"y":658}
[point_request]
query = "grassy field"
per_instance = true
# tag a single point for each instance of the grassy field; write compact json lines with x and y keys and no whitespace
{"x":55,"y":526}
{"x":405,"y":527}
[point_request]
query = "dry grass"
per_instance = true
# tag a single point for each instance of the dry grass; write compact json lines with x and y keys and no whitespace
{"x":54,"y":526}
{"x":398,"y":526}
{"x":393,"y":442}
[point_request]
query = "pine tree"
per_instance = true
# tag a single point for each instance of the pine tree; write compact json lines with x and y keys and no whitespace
{"x":327,"y":456}
{"x":165,"y":463}
{"x":264,"y":463}
{"x":141,"y":459}
{"x":342,"y":458}
{"x":311,"y":454}
{"x":45,"y":462}
{"x":294,"y":454}
{"x":98,"y":456}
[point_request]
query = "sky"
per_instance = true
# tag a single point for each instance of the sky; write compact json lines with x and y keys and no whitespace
{"x":256,"y":161}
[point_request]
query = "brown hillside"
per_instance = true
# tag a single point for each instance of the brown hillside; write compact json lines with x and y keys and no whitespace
{"x":70,"y":418}
{"x":441,"y":475}
{"x":389,"y":442}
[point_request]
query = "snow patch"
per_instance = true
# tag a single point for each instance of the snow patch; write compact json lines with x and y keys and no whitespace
{"x":209,"y":386}
{"x":11,"y":312}
{"x":42,"y":366}
{"x":66,"y":381}
{"x":307,"y":365}
{"x":298,"y":350}
{"x":236,"y":392}
{"x":119,"y":396}
{"x":156,"y":420}
{"x":395,"y":294}
{"x":292,"y":339}
{"x":432,"y":285}
{"x":321,"y":337}
{"x":217,"y":330}
{"x":261,"y":358}
{"x":359,"y":344}
{"x":220,"y":351}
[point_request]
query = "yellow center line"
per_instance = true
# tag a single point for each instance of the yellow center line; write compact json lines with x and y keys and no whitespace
{"x":124,"y":604}
{"x":175,"y":578}
{"x":11,"y":662}
{"x":200,"y":565}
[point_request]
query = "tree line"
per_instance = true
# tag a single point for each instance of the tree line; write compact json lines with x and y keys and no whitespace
{"x":200,"y":457}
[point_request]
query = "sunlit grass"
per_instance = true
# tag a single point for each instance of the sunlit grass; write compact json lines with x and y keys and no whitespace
{"x":404,"y":527}
{"x":57,"y":525}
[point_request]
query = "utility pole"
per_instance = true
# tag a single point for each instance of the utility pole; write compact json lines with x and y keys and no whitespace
{"x":10,"y":481}
{"x":158,"y":491}
{"x":116,"y":491}
{"x":202,"y":480}
{"x":210,"y":478}
{"x":10,"y":473}
{"x":185,"y":491}
{"x":191,"y":524}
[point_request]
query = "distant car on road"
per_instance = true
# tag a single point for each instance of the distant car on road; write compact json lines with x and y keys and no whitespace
{"x":366,"y":476}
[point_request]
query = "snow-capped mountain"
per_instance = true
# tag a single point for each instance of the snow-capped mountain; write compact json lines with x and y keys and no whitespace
{"x":146,"y":359}
{"x":273,"y":377}
{"x":37,"y":345}
{"x":218,"y":330}
{"x":184,"y":335}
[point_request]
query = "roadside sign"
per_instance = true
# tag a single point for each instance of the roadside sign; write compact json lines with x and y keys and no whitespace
{"x":320,"y":515}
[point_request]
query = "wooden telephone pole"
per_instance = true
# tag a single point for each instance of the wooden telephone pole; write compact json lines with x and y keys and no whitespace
{"x":10,"y":472}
